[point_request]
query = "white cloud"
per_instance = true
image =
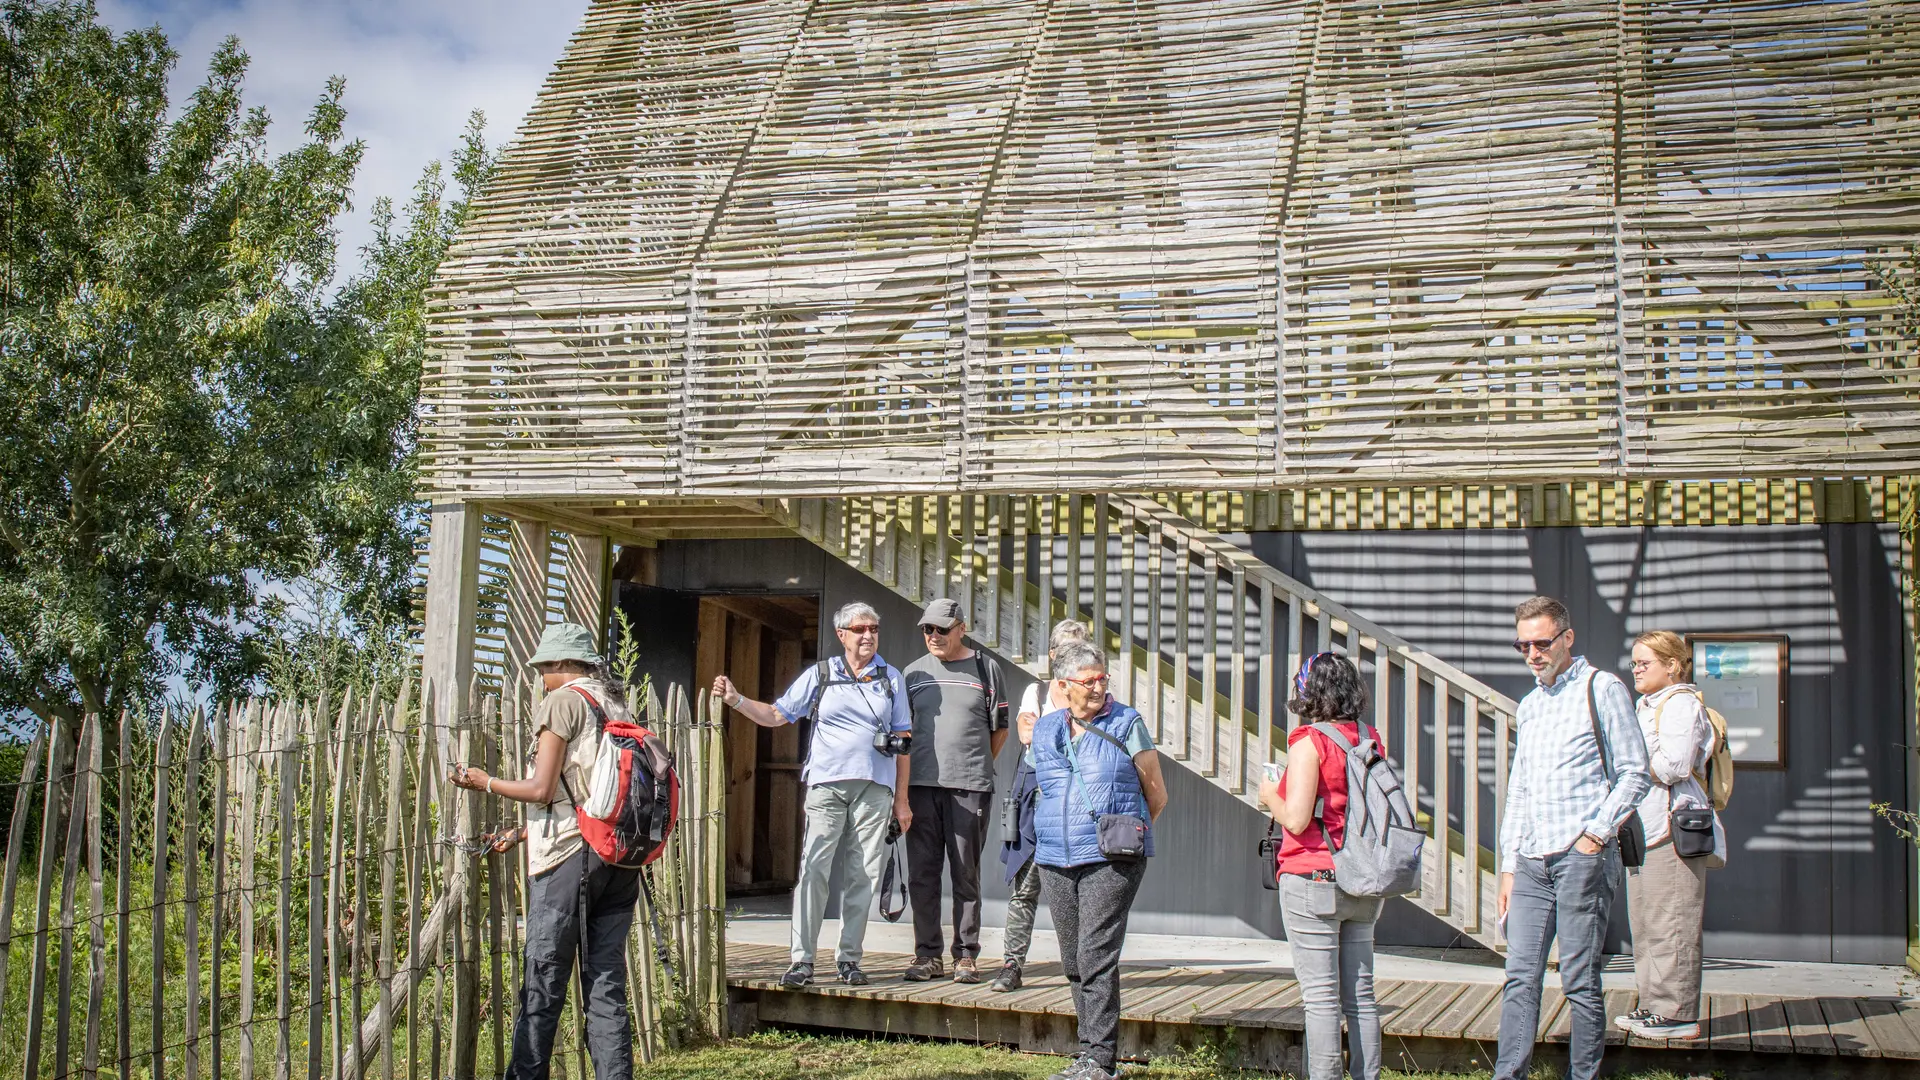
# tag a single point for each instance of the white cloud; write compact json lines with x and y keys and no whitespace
{"x":414,"y":70}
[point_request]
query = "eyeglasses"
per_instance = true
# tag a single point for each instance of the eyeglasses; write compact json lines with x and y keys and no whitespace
{"x":937,"y":631}
{"x":1642,"y":665}
{"x":1525,"y":648}
{"x":1091,"y":682}
{"x":863,"y":628}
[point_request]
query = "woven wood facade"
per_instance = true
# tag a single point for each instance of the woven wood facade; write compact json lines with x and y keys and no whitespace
{"x":808,"y":247}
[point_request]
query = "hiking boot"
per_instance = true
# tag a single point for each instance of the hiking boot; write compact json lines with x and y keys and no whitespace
{"x":851,"y":974}
{"x":1009,"y":978}
{"x":965,"y":970}
{"x":796,"y":977}
{"x":1627,"y":1022}
{"x":1659,"y":1027}
{"x":924,"y":968}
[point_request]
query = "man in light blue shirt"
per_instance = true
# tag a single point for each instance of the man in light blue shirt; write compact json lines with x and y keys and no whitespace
{"x":1567,"y":796}
{"x":854,"y":788}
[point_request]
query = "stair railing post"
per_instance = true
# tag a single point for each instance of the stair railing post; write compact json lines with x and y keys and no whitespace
{"x":1470,"y":814}
{"x":1156,"y":583}
{"x":1237,"y":682}
{"x":1442,"y":901}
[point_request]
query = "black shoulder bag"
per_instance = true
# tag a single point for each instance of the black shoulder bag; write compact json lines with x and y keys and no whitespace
{"x":1633,"y":837}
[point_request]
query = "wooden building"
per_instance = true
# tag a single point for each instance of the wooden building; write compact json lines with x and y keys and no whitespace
{"x":1124,"y":311}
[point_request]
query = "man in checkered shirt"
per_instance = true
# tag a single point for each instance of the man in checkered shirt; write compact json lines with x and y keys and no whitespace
{"x":1559,"y":856}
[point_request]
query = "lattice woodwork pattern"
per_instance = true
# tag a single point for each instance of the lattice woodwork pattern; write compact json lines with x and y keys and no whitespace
{"x":811,"y":247}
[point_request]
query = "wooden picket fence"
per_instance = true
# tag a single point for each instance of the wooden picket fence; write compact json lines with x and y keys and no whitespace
{"x":294,"y":890}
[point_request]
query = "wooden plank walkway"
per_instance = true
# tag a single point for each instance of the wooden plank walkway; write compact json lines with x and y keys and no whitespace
{"x":1428,"y":1024}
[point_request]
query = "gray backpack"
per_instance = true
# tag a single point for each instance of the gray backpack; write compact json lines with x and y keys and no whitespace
{"x":1379,"y":850}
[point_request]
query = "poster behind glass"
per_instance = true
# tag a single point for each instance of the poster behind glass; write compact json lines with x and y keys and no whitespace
{"x":1744,"y":676}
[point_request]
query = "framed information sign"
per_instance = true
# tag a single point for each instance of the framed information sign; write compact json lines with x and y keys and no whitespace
{"x":1744,"y":676}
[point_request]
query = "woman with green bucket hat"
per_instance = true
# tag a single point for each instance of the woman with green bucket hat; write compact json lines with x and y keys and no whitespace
{"x":576,"y":903}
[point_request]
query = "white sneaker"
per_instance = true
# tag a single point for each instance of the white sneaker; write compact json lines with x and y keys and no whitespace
{"x":1632,"y":1020}
{"x":1659,"y":1027}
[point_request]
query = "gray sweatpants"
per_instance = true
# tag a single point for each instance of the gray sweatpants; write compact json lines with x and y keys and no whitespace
{"x":1090,"y":905}
{"x":1331,"y":935}
{"x":847,"y":818}
{"x":1568,"y":896}
{"x":1022,"y":904}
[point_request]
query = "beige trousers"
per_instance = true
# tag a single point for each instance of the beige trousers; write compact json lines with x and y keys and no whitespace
{"x":1667,"y":900}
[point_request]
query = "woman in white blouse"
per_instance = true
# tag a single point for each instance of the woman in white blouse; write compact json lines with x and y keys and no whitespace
{"x":1667,"y":897}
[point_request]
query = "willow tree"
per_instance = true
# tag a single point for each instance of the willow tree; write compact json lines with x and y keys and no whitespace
{"x":198,"y":412}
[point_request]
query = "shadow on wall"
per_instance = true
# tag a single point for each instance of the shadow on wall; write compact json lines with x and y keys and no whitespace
{"x":1797,"y":832}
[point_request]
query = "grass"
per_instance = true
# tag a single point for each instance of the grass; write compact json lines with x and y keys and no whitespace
{"x":780,"y":1055}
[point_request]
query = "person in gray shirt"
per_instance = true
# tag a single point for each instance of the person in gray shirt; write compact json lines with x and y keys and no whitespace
{"x":959,"y":724}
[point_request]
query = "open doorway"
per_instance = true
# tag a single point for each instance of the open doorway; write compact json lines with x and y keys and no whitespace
{"x":762,"y":642}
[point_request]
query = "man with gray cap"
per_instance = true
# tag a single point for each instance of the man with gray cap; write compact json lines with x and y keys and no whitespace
{"x":959,"y":725}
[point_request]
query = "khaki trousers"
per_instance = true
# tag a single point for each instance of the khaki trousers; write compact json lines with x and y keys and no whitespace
{"x":1667,"y":900}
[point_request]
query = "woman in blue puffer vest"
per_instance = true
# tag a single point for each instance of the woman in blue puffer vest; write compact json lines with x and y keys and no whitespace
{"x":1100,"y":789}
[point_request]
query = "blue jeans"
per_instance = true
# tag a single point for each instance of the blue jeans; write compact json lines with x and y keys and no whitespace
{"x":1568,"y":896}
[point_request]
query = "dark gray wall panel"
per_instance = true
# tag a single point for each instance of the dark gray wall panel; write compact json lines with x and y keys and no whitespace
{"x":1812,"y":876}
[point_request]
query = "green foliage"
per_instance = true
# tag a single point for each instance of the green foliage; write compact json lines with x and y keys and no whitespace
{"x":195,"y":415}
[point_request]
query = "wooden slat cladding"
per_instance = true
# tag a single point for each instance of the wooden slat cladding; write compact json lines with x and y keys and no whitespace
{"x":800,"y":247}
{"x":1130,"y":365}
{"x":1448,"y":242}
{"x":796,"y":376}
{"x":1763,"y":161}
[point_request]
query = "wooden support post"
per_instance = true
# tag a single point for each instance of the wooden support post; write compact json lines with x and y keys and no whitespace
{"x":587,"y":584}
{"x":453,"y":584}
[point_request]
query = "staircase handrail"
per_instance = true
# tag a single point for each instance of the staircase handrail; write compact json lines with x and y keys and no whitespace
{"x":1202,"y":540}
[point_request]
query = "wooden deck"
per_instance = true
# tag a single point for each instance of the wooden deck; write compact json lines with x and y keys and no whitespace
{"x":1256,"y":1012}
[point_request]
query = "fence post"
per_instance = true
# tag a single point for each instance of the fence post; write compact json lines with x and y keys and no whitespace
{"x":16,"y":836}
{"x":49,"y":816}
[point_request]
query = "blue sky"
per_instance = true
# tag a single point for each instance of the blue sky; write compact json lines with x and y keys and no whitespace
{"x":414,"y":70}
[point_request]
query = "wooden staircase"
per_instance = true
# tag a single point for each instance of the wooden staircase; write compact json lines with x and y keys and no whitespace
{"x":1205,"y":639}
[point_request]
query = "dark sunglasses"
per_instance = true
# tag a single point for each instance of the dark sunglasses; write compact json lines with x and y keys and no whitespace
{"x":935,"y":631}
{"x":863,"y":628}
{"x":1537,"y":644}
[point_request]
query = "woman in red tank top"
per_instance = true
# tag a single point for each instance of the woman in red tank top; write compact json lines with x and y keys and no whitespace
{"x":1330,"y":932}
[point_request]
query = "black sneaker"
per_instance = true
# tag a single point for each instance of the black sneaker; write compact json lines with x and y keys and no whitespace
{"x":1009,"y":978}
{"x":851,"y":974}
{"x":796,"y":977}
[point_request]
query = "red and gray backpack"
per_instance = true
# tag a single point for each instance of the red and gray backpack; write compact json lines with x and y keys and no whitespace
{"x":633,"y":793}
